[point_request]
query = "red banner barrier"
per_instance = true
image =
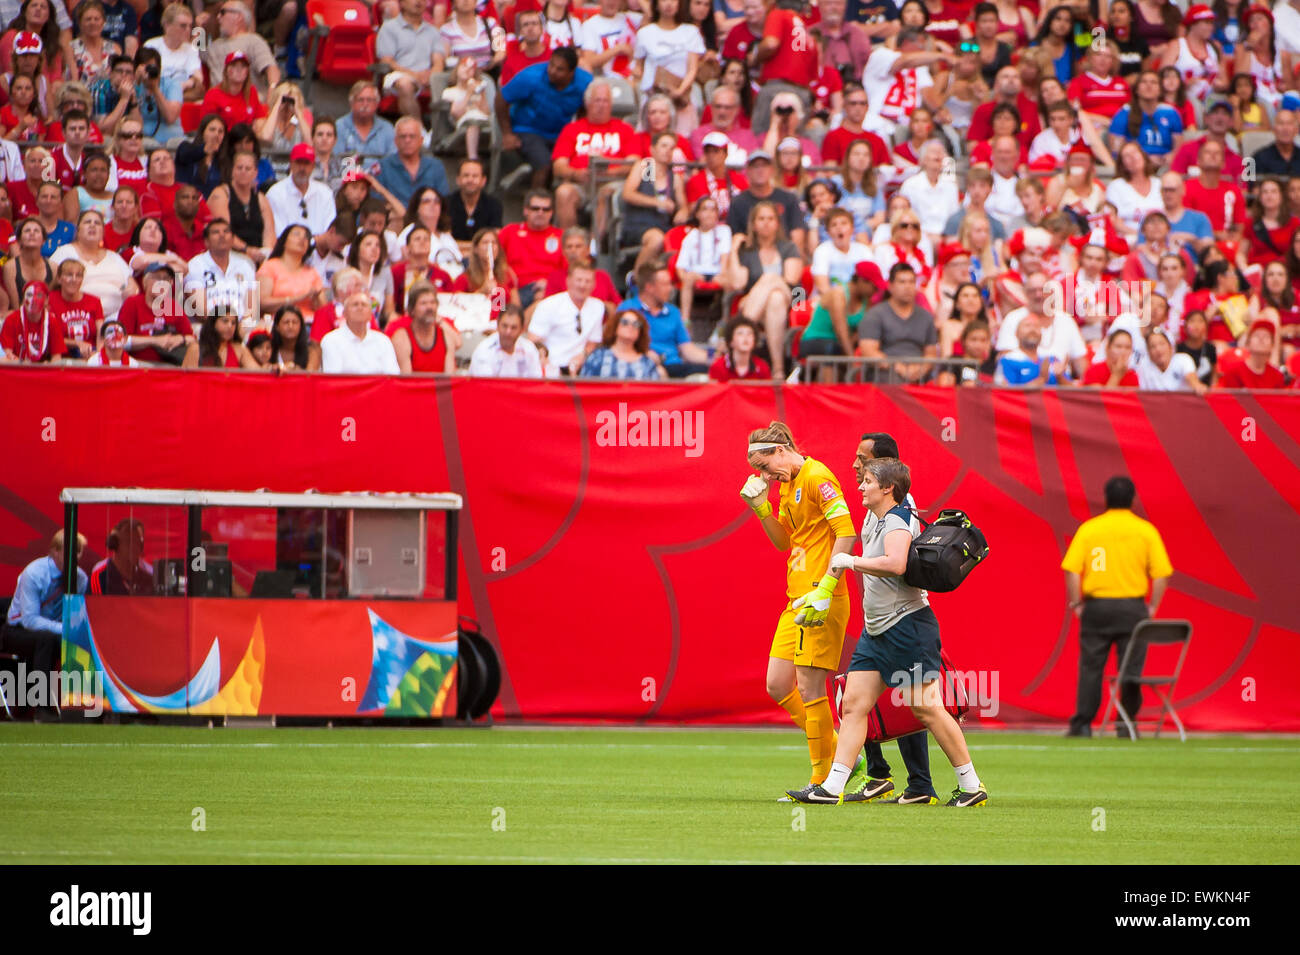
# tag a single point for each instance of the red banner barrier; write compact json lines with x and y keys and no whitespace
{"x":608,"y":556}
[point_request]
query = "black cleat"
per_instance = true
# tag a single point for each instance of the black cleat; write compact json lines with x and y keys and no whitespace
{"x":910,"y":798}
{"x":962,"y":799}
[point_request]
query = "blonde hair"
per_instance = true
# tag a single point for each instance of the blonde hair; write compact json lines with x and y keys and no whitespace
{"x":774,"y":433}
{"x":986,"y":258}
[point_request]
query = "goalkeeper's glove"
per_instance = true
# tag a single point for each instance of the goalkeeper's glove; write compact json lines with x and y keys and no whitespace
{"x":754,"y":493}
{"x":816,"y":603}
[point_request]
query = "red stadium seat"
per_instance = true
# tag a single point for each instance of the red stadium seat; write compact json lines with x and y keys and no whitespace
{"x":343,"y":55}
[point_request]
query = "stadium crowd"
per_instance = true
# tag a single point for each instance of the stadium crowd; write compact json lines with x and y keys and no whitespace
{"x":1100,"y":192}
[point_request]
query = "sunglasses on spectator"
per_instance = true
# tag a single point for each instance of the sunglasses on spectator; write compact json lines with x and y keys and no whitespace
{"x":539,"y":208}
{"x":632,"y":322}
{"x":968,"y":47}
{"x":909,"y":225}
{"x":130,"y":135}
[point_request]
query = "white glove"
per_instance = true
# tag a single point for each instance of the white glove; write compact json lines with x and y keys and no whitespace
{"x":842,"y":561}
{"x":754,"y":491}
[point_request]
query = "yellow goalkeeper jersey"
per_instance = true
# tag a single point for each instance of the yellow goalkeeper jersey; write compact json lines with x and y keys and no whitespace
{"x":813,"y":513}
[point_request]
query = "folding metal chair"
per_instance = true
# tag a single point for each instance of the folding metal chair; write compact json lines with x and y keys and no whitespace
{"x":1147,"y":633}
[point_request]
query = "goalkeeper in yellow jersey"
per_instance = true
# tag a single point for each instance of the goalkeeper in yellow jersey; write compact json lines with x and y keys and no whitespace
{"x":812,"y":523}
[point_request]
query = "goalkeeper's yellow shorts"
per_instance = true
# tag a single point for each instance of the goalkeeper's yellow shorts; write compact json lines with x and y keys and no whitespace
{"x":813,"y":646}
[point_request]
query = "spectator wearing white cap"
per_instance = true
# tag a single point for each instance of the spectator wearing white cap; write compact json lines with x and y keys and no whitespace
{"x":299,"y":199}
{"x":715,"y":179}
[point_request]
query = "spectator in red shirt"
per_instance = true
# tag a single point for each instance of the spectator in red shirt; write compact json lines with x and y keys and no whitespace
{"x":532,"y":247}
{"x":837,"y":141}
{"x":1271,"y":226}
{"x":22,"y":192}
{"x":159,"y":194}
{"x":715,"y":179}
{"x":743,"y":39}
{"x":738,"y":360}
{"x":577,"y":251}
{"x":71,"y":156}
{"x":71,"y":97}
{"x":1114,"y":372}
{"x":183,"y":226}
{"x":1007,"y":89}
{"x":30,"y":333}
{"x":126,"y":216}
{"x":236,"y":98}
{"x":1218,"y":123}
{"x":789,"y":60}
{"x":128,"y":165}
{"x":530,"y":47}
{"x":488,"y":272}
{"x":597,"y":134}
{"x":1255,"y":371}
{"x":422,"y":341}
{"x":154,"y":320}
{"x":1218,"y":198}
{"x":1099,"y":92}
{"x":79,"y":313}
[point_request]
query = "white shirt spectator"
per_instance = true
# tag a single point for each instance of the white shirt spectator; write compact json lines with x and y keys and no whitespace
{"x":1125,"y":322}
{"x":1003,"y":203}
{"x":600,"y":33}
{"x":1173,"y":378}
{"x":1062,"y":340}
{"x":107,"y":280}
{"x":830,"y":262}
{"x":1130,"y":207}
{"x":934,"y":204}
{"x":886,"y":255}
{"x":229,"y":287}
{"x":443,"y":251}
{"x":1047,"y":143}
{"x":180,"y":64}
{"x":703,"y":252}
{"x":342,"y":353}
{"x":491,"y":361}
{"x":666,"y":49}
{"x":1286,"y":27}
{"x":891,"y":97}
{"x":97,"y":361}
{"x":11,"y":162}
{"x":315,"y":209}
{"x":558,"y":322}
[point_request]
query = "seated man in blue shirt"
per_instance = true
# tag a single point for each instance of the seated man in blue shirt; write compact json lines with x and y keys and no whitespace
{"x":34,"y":625}
{"x":1187,"y":227}
{"x":537,"y":104}
{"x":669,"y":338}
{"x":406,"y":170}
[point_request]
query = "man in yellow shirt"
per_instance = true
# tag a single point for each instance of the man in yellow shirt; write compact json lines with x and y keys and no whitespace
{"x":1109,"y":566}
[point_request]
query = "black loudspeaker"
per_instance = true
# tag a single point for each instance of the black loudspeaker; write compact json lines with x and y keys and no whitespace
{"x":478,"y":672}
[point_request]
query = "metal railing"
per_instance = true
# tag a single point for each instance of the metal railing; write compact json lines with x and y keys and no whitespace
{"x":885,"y":370}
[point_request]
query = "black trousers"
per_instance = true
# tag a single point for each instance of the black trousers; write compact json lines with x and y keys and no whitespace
{"x":915,"y":750}
{"x":40,"y":650}
{"x":1107,"y":621}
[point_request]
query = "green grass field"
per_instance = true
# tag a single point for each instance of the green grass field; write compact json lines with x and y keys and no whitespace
{"x":127,"y":794}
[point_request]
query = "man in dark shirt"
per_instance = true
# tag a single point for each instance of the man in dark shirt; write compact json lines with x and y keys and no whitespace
{"x":898,"y":327}
{"x":761,"y":172}
{"x":123,"y":572}
{"x":1280,"y":158}
{"x":469,"y":207}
